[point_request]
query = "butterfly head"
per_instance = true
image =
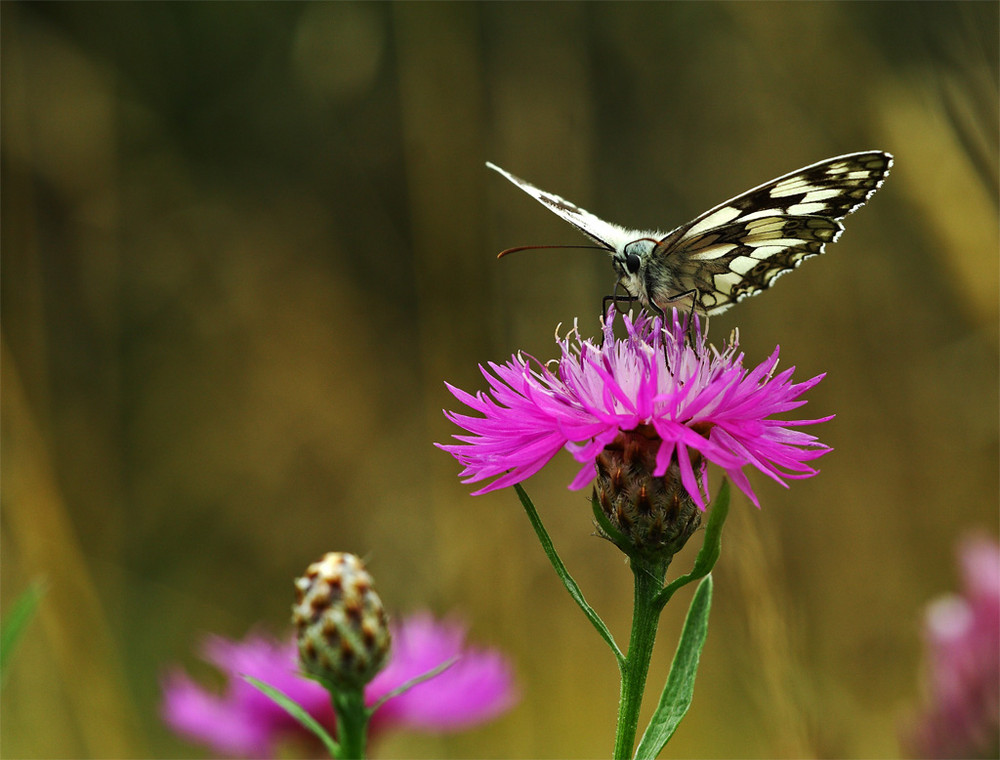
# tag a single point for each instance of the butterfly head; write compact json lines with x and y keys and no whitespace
{"x":630,"y":262}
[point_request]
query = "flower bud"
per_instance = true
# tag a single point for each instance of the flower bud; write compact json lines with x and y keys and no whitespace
{"x":342,"y":629}
{"x":656,"y":514}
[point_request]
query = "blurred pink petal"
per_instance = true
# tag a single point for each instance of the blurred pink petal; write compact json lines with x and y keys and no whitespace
{"x":477,"y":688}
{"x":241,"y":721}
{"x":961,"y":717}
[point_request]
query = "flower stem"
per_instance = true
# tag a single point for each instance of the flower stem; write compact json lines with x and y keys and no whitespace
{"x":645,"y":619}
{"x":352,"y":723}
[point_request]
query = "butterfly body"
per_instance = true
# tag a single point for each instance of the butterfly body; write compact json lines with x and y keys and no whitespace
{"x":738,"y":248}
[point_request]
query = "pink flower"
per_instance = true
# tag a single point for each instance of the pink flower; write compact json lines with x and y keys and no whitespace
{"x":244,"y":722}
{"x":700,"y":403}
{"x":961,"y":717}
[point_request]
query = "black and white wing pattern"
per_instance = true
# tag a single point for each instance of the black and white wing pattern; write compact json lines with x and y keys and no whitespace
{"x":740,"y":247}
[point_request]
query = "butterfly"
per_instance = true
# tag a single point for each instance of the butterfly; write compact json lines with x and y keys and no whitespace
{"x":736,"y":249}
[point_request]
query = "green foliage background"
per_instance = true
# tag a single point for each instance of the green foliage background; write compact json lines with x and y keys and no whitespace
{"x":244,"y":245}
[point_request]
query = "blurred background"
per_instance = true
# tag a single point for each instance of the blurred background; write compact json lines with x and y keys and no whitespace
{"x":244,"y":245}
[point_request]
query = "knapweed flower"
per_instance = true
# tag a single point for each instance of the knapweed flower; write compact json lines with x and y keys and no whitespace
{"x":688,"y":402}
{"x":242,"y":722}
{"x":961,"y":718}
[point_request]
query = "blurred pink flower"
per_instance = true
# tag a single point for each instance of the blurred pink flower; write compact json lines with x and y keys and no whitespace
{"x":961,"y":717}
{"x":701,"y":403}
{"x":241,"y":721}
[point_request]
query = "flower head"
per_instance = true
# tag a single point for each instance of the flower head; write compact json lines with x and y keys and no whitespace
{"x":241,"y":721}
{"x":693,"y":403}
{"x":343,"y":631}
{"x":962,"y":715}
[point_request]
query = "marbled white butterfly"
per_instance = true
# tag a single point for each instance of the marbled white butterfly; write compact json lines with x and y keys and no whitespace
{"x":736,"y":249}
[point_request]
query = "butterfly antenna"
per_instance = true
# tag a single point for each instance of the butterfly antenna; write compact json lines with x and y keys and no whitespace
{"x":540,"y":247}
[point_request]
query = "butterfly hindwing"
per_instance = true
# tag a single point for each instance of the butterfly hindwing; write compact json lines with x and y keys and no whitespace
{"x":729,"y":263}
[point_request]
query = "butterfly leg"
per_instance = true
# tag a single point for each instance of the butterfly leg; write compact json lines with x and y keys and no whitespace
{"x":616,"y":298}
{"x":693,"y":295}
{"x":658,"y":312}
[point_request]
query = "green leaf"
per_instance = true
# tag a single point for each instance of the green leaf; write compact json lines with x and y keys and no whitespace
{"x":710,"y":547}
{"x":564,"y":576}
{"x":679,"y":689}
{"x":297,"y":712}
{"x":413,"y":682}
{"x":18,"y":616}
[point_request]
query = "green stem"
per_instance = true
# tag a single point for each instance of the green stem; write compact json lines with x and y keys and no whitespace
{"x":352,"y":723}
{"x":645,"y":619}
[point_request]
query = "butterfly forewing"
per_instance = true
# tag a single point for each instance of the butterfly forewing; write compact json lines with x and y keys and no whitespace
{"x":740,"y":247}
{"x":833,"y":188}
{"x":605,"y":234}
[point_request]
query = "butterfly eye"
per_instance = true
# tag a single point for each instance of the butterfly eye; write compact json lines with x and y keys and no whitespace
{"x":632,"y":263}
